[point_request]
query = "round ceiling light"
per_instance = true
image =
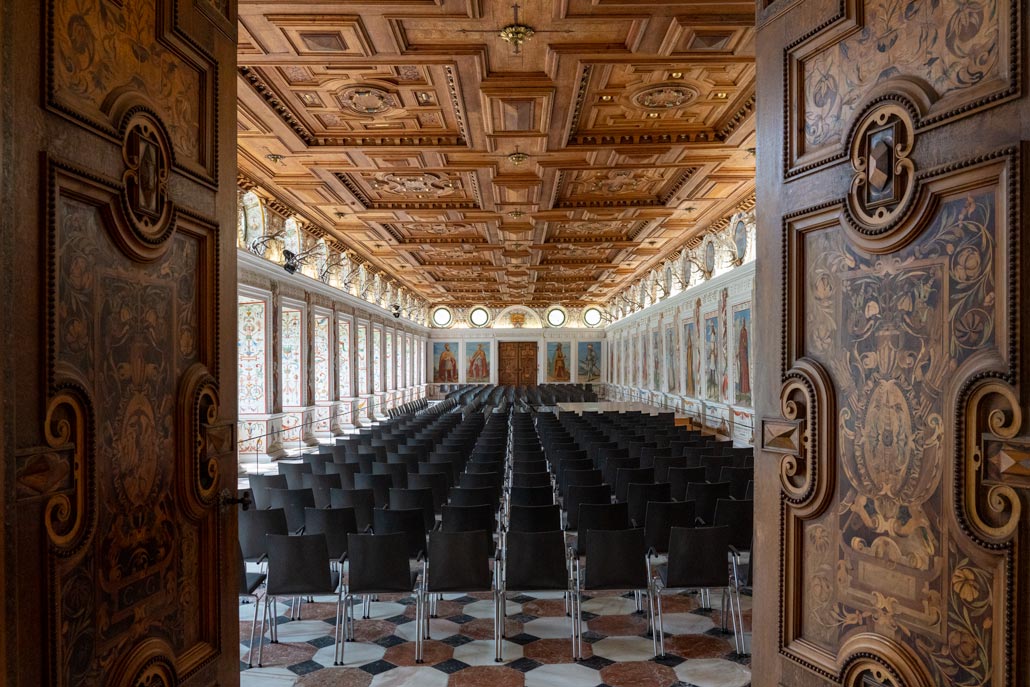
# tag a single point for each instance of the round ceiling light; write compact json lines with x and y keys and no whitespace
{"x":592,"y":317}
{"x":556,"y":317}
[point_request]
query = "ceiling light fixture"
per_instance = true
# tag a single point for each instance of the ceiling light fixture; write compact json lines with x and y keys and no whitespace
{"x":518,"y":157}
{"x":275,"y":158}
{"x":515,"y":214}
{"x":516,"y":32}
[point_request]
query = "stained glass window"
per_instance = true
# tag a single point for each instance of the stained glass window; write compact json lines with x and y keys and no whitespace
{"x":362,"y":357}
{"x":292,"y":357}
{"x":390,"y":381}
{"x":377,"y":360}
{"x":251,"y":357}
{"x":322,"y":362}
{"x":343,"y":356}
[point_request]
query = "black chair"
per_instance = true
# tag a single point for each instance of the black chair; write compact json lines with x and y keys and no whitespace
{"x":739,"y":516}
{"x":410,"y":522}
{"x":661,"y":517}
{"x":749,"y":493}
{"x":361,"y":500}
{"x":404,"y":499}
{"x":714,"y":465}
{"x":627,"y":476}
{"x":705,"y":495}
{"x":582,"y":494}
{"x":437,"y":483}
{"x":743,"y":575}
{"x":481,"y":518}
{"x":477,"y":466}
{"x":530,"y":466}
{"x":679,"y":478}
{"x":253,"y":526}
{"x":615,"y":560}
{"x":600,"y":516}
{"x":346,"y":471}
{"x":425,"y":468}
{"x":293,"y":501}
{"x":380,"y":485}
{"x":640,"y":494}
{"x":259,"y":486}
{"x":478,"y":480}
{"x":534,"y":562}
{"x":320,"y":484}
{"x":613,"y":465}
{"x":293,"y":472}
{"x":377,"y":564}
{"x":481,"y":496}
{"x":531,"y":496}
{"x":531,"y":479}
{"x":738,"y":478}
{"x":335,"y":524}
{"x":247,"y":585}
{"x":299,"y":566}
{"x":318,"y":461}
{"x":398,"y":471}
{"x":697,"y":560}
{"x":534,"y":518}
{"x":456,"y":562}
{"x":662,"y":464}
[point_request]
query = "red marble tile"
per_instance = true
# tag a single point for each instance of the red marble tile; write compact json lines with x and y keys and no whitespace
{"x":717,"y":619}
{"x":318,"y":611}
{"x":545,"y":608}
{"x":371,"y":630}
{"x":487,"y":676}
{"x":678,"y":604}
{"x":628,"y":625}
{"x":483,"y":628}
{"x":553,"y":650}
{"x":335,"y":677}
{"x":638,"y":674}
{"x":444,"y":609}
{"x":697,"y":646}
{"x":282,"y":654}
{"x":433,"y":652}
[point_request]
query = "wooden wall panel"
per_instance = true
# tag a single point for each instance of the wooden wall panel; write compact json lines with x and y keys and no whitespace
{"x":895,"y":523}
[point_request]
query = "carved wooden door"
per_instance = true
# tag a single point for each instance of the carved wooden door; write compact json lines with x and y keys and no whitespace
{"x":518,"y":363}
{"x":119,"y":389}
{"x":893,"y":464}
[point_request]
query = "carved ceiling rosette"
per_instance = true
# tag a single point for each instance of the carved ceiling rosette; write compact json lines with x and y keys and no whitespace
{"x":366,"y":100}
{"x":669,"y":96}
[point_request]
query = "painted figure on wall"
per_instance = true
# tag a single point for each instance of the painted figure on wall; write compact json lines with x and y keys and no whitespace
{"x":742,"y":335}
{"x":478,"y":370}
{"x":690,"y":348}
{"x":643,"y":360}
{"x":712,"y":358}
{"x":670,"y":358}
{"x":656,"y":359}
{"x":589,"y":361}
{"x":740,"y":240}
{"x":446,"y":368}
{"x":557,"y":367}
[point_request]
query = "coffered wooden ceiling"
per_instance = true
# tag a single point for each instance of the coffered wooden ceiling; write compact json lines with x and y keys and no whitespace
{"x":395,"y":120}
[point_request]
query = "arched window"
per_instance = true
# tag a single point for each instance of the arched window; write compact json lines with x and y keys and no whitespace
{"x":252,"y":219}
{"x":291,"y":237}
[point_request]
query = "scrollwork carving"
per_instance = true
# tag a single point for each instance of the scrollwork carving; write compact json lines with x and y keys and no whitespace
{"x":70,"y":520}
{"x":807,"y":398}
{"x":148,"y":211}
{"x":198,"y":411}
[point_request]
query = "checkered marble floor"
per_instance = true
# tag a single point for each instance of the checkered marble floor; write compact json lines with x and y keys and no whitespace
{"x":537,"y":651}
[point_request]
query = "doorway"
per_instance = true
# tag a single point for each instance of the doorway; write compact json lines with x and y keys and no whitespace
{"x":518,"y":363}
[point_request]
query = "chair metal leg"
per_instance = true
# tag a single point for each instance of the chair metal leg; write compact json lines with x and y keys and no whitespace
{"x":261,"y":638}
{"x":250,"y":654}
{"x":661,"y":624}
{"x":724,"y":609}
{"x":418,"y":627}
{"x":500,"y":614}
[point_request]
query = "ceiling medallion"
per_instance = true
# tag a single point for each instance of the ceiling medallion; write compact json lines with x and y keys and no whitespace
{"x":366,"y":100}
{"x":664,"y":97}
{"x":413,"y":185}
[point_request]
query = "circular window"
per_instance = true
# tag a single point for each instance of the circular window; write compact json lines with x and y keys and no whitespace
{"x":479,"y":317}
{"x":556,"y":317}
{"x":592,"y":317}
{"x":442,"y":317}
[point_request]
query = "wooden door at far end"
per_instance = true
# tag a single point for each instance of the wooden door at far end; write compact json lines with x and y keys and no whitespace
{"x":517,"y":363}
{"x":527,"y":363}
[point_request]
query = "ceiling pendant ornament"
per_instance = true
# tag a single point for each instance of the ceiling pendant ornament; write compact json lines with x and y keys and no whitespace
{"x":426,"y":184}
{"x":664,"y":97}
{"x":366,"y":100}
{"x":884,"y":181}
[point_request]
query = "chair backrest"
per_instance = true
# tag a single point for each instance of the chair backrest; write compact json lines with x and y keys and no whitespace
{"x":361,"y":500}
{"x":481,"y":496}
{"x":320,"y":484}
{"x":679,"y":478}
{"x":738,"y":479}
{"x":531,"y":479}
{"x":398,"y":471}
{"x":600,"y":516}
{"x":259,"y":486}
{"x":426,"y":468}
{"x":713,"y":466}
{"x":422,"y":499}
{"x":706,"y":495}
{"x":436,"y":482}
{"x":661,"y":517}
{"x":627,"y":476}
{"x":749,"y":493}
{"x":458,"y":562}
{"x":335,"y":524}
{"x":531,"y":496}
{"x":639,"y":494}
{"x":254,"y":525}
{"x":298,"y":565}
{"x":409,"y":522}
{"x":697,"y":557}
{"x":613,"y":465}
{"x":616,"y":559}
{"x":529,"y":465}
{"x":484,"y":466}
{"x":379,"y":564}
{"x":293,"y":501}
{"x":535,"y":561}
{"x":346,"y":471}
{"x":380,"y":485}
{"x":317,"y":460}
{"x":293,"y":472}
{"x":662,"y":465}
{"x":534,"y":518}
{"x":478,"y":480}
{"x":479,"y":518}
{"x":578,"y":494}
{"x":739,"y":516}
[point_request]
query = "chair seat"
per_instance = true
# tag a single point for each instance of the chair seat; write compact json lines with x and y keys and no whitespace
{"x":254,"y":580}
{"x":334,"y":582}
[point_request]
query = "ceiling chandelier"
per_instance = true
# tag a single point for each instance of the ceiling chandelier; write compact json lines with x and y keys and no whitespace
{"x":516,"y":33}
